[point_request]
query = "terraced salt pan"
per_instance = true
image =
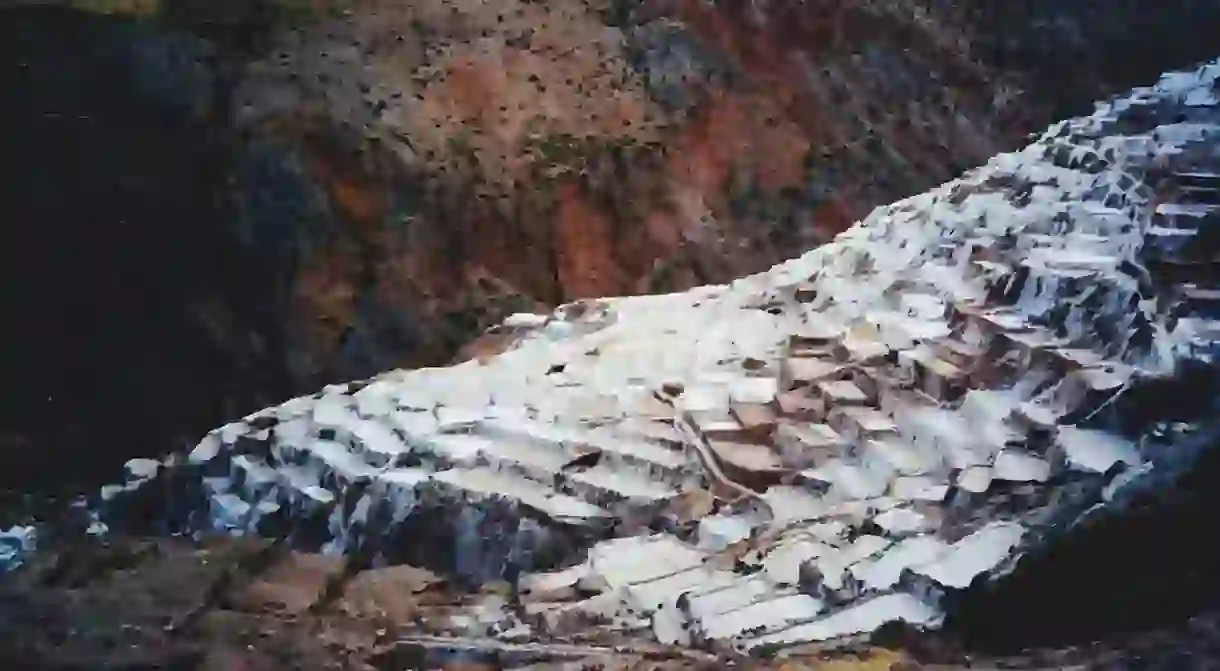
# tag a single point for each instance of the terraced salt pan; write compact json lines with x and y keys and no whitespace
{"x":624,"y":482}
{"x":885,"y":571}
{"x":489,"y":483}
{"x":766,"y":615}
{"x":864,"y":617}
{"x":977,"y":553}
{"x":574,"y":420}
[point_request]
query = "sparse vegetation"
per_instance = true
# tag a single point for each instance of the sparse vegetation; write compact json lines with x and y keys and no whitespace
{"x":562,"y":154}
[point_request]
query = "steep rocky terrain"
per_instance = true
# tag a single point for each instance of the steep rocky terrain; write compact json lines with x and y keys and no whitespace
{"x":953,"y":413}
{"x":245,"y":200}
{"x":990,"y":403}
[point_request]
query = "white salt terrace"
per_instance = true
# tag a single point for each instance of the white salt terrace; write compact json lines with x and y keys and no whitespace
{"x":841,"y":406}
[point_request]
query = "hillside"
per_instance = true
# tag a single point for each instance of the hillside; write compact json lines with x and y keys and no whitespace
{"x":243,"y":201}
{"x":988,"y":407}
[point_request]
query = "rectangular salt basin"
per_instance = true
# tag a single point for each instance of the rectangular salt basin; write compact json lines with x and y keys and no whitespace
{"x":623,"y":481}
{"x":765,"y":615}
{"x":741,"y":593}
{"x":637,"y":450}
{"x":638,"y":559}
{"x":486,"y":482}
{"x":977,"y":553}
{"x":857,"y":619}
{"x":653,"y":594}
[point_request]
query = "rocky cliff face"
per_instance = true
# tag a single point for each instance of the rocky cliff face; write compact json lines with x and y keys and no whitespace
{"x":252,"y":199}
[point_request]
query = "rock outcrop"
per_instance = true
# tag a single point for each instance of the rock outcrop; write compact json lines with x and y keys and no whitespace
{"x":870,"y":432}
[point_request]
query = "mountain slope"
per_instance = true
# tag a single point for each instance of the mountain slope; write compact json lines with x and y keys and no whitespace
{"x":273,"y":195}
{"x":873,"y":431}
